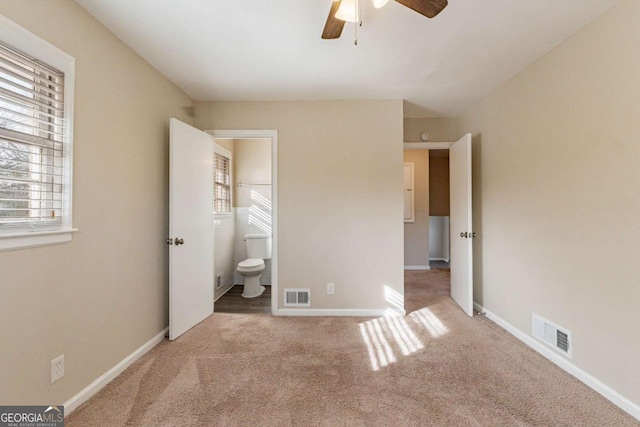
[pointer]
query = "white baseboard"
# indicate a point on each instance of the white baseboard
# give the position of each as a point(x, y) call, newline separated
point(610, 394)
point(77, 400)
point(321, 312)
point(440, 259)
point(223, 290)
point(417, 267)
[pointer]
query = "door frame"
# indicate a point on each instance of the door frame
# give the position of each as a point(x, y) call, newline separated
point(273, 135)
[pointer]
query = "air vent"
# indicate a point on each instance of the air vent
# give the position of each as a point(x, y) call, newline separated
point(297, 297)
point(552, 335)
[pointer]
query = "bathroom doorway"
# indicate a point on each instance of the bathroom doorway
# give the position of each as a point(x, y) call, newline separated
point(245, 215)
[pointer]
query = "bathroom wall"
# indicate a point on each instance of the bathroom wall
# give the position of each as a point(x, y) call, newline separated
point(416, 234)
point(224, 252)
point(252, 188)
point(224, 239)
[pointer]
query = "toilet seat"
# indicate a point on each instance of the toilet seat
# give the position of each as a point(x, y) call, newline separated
point(250, 265)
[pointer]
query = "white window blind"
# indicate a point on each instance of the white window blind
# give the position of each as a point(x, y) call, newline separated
point(32, 142)
point(221, 184)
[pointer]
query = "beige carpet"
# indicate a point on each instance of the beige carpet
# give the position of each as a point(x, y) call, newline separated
point(434, 367)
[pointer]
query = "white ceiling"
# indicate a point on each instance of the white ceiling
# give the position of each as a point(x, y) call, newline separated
point(228, 50)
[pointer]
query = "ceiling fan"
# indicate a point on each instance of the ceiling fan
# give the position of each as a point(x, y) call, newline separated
point(347, 10)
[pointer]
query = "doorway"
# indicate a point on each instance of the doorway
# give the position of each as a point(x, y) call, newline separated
point(439, 209)
point(251, 211)
point(460, 226)
point(426, 206)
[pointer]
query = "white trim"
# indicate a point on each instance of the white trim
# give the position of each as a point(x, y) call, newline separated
point(219, 149)
point(417, 267)
point(427, 145)
point(340, 312)
point(273, 135)
point(225, 289)
point(439, 259)
point(607, 392)
point(77, 400)
point(34, 239)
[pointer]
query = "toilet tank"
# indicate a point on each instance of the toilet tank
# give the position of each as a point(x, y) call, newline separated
point(258, 246)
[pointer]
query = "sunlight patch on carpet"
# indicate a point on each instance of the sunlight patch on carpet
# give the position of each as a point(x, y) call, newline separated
point(377, 335)
point(425, 318)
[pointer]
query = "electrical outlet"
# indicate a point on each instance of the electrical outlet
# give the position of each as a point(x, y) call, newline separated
point(57, 368)
point(330, 288)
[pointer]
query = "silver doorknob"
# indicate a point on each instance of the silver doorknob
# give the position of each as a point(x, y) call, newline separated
point(463, 235)
point(179, 241)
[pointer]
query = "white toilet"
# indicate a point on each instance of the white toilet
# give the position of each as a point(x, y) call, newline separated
point(258, 249)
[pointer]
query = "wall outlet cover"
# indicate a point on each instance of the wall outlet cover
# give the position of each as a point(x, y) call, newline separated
point(330, 288)
point(57, 368)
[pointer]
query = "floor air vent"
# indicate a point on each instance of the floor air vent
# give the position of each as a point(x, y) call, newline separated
point(297, 297)
point(552, 335)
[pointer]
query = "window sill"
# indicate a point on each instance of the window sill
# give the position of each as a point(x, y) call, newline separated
point(33, 239)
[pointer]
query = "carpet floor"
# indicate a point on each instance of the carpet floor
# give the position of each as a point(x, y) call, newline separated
point(436, 366)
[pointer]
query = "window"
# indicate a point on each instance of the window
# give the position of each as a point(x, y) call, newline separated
point(221, 184)
point(36, 96)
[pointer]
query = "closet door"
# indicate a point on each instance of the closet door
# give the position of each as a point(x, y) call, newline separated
point(190, 227)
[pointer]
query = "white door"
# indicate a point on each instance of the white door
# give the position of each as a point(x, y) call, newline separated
point(190, 227)
point(461, 231)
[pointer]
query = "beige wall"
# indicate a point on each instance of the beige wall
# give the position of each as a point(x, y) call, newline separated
point(339, 193)
point(439, 130)
point(416, 234)
point(225, 143)
point(252, 165)
point(556, 195)
point(103, 295)
point(438, 185)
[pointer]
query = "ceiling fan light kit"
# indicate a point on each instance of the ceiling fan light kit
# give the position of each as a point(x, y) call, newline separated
point(349, 11)
point(379, 3)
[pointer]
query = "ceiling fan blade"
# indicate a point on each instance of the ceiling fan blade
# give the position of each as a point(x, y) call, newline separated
point(428, 8)
point(333, 27)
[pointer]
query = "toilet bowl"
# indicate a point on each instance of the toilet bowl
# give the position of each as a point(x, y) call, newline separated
point(251, 269)
point(258, 248)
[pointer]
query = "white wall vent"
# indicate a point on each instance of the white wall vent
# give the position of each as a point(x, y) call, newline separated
point(219, 280)
point(553, 335)
point(297, 297)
